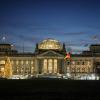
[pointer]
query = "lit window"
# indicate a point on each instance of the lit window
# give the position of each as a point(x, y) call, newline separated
point(32, 69)
point(2, 69)
point(86, 69)
point(21, 70)
point(17, 62)
point(26, 62)
point(32, 62)
point(12, 62)
point(88, 63)
point(22, 62)
point(72, 69)
point(78, 69)
point(17, 70)
point(83, 69)
point(2, 62)
point(73, 62)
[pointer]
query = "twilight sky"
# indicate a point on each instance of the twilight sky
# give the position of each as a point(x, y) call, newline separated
point(75, 22)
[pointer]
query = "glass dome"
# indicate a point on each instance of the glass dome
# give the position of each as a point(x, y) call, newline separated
point(50, 44)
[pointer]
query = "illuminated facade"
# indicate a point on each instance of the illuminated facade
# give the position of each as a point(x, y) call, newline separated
point(48, 59)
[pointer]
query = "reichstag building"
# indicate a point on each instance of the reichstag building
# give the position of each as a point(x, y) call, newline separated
point(48, 59)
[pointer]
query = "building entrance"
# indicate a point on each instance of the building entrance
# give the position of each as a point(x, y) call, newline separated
point(50, 66)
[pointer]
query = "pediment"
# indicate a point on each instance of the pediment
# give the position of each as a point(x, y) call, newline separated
point(51, 53)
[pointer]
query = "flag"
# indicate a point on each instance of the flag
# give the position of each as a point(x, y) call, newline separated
point(67, 56)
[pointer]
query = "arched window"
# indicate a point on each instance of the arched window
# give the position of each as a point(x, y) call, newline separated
point(88, 63)
point(32, 62)
point(22, 62)
point(26, 61)
point(17, 62)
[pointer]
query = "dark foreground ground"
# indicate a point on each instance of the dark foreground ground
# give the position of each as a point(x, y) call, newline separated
point(48, 89)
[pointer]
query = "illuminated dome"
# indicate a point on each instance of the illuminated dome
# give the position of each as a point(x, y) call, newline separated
point(50, 44)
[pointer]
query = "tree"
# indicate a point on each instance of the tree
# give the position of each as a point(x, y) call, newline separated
point(7, 68)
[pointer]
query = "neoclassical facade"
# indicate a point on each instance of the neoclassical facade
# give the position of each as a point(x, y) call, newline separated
point(48, 59)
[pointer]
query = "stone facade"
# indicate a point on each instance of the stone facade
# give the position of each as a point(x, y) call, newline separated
point(50, 61)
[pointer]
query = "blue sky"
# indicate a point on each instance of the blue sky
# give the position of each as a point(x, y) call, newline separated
point(75, 22)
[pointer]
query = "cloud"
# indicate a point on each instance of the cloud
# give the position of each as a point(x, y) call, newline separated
point(94, 26)
point(64, 34)
point(74, 33)
point(22, 37)
point(77, 51)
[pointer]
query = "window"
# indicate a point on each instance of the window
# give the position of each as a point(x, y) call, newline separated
point(17, 62)
point(26, 71)
point(22, 62)
point(78, 69)
point(88, 63)
point(86, 69)
point(73, 70)
point(89, 69)
point(27, 62)
point(15, 71)
point(22, 70)
point(12, 62)
point(83, 69)
point(27, 68)
point(83, 63)
point(32, 69)
point(78, 63)
point(2, 69)
point(19, 71)
point(32, 62)
point(68, 63)
point(73, 62)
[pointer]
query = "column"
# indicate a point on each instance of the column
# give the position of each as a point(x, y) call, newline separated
point(36, 66)
point(50, 65)
point(53, 66)
point(60, 66)
point(65, 69)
